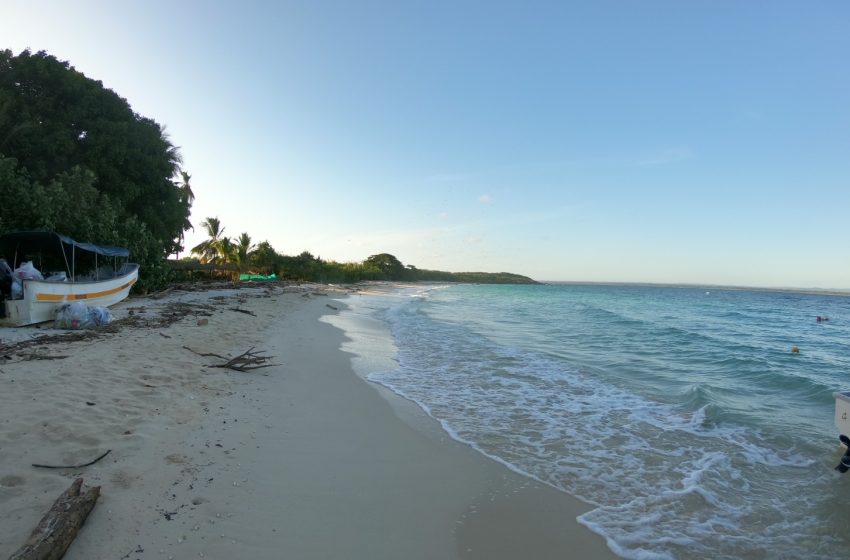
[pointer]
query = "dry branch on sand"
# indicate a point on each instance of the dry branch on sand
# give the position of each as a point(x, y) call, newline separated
point(59, 526)
point(246, 361)
point(73, 466)
point(245, 311)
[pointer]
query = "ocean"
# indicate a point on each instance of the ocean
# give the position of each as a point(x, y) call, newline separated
point(679, 413)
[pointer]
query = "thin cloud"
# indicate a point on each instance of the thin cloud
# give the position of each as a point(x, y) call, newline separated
point(485, 199)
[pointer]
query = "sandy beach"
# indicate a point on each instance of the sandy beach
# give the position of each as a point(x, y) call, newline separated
point(303, 459)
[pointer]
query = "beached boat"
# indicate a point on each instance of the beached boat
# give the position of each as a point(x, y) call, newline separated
point(65, 271)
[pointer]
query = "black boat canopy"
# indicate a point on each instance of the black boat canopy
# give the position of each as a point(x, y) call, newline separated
point(25, 242)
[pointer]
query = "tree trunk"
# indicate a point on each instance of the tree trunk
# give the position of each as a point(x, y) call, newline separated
point(59, 526)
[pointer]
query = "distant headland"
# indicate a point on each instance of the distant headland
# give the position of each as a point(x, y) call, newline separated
point(307, 267)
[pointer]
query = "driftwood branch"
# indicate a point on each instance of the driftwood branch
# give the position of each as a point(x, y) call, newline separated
point(245, 311)
point(57, 529)
point(246, 361)
point(206, 354)
point(73, 466)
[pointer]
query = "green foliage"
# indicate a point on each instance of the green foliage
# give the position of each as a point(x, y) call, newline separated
point(306, 267)
point(302, 267)
point(76, 159)
point(474, 277)
point(209, 250)
point(241, 251)
point(265, 259)
point(389, 266)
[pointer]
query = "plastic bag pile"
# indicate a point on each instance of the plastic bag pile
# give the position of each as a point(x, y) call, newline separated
point(78, 315)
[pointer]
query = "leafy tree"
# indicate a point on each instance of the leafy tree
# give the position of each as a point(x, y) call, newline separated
point(302, 267)
point(265, 258)
point(61, 130)
point(390, 267)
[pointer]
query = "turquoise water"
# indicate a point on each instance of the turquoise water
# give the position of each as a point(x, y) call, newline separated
point(680, 414)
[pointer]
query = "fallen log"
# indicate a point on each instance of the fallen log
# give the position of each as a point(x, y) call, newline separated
point(59, 526)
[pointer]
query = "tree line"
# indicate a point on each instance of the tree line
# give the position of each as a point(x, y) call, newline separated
point(264, 259)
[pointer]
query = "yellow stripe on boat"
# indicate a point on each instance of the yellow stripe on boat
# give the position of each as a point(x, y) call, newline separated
point(91, 295)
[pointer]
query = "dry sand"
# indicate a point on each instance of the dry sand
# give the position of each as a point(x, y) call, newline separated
point(301, 460)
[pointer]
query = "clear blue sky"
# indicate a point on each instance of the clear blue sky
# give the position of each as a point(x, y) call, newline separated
point(650, 141)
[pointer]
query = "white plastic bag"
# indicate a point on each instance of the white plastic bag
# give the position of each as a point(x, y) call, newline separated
point(24, 272)
point(17, 289)
point(27, 272)
point(101, 315)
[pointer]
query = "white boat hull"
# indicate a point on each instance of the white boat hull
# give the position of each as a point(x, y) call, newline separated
point(42, 298)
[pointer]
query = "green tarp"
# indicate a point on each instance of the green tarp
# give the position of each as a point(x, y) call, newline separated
point(258, 277)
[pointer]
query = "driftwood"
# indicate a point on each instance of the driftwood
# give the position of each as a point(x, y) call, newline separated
point(245, 311)
point(59, 526)
point(73, 466)
point(246, 361)
point(332, 307)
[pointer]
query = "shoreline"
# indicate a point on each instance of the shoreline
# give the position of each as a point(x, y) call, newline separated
point(304, 459)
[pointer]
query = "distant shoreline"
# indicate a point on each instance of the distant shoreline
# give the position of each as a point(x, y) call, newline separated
point(808, 291)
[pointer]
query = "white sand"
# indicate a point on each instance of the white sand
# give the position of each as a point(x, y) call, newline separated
point(300, 460)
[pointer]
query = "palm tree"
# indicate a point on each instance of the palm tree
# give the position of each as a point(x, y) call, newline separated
point(226, 251)
point(208, 250)
point(243, 248)
point(175, 159)
point(186, 198)
point(185, 188)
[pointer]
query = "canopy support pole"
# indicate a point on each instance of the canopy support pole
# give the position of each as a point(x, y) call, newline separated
point(65, 257)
